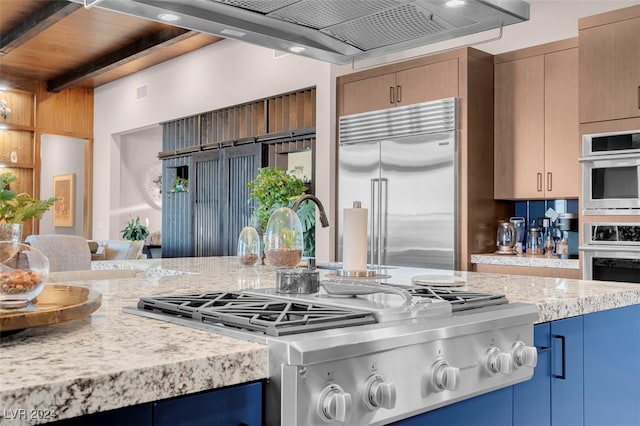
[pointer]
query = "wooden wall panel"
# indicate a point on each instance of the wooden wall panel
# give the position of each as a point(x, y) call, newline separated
point(68, 113)
point(22, 107)
point(20, 142)
point(292, 111)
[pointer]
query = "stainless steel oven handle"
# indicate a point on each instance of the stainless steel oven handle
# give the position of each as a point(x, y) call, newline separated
point(618, 248)
point(602, 157)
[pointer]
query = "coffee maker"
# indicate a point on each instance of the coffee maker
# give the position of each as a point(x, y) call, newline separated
point(568, 226)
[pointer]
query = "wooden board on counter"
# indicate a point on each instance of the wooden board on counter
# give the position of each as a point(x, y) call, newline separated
point(57, 303)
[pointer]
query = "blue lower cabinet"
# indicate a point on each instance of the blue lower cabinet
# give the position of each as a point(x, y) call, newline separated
point(136, 415)
point(532, 399)
point(232, 406)
point(490, 409)
point(238, 405)
point(612, 367)
point(567, 365)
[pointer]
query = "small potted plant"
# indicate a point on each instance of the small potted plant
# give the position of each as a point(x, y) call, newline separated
point(180, 185)
point(135, 231)
point(16, 208)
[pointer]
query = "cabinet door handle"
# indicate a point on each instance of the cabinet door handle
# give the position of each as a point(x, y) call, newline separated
point(539, 182)
point(638, 97)
point(391, 95)
point(549, 181)
point(399, 94)
point(563, 375)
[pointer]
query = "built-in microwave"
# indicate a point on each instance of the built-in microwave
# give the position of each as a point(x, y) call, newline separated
point(611, 173)
point(611, 252)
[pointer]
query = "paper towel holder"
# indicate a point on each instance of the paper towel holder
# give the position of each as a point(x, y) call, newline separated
point(356, 273)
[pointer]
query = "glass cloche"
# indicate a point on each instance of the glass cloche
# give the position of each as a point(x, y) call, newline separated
point(248, 246)
point(283, 239)
point(23, 273)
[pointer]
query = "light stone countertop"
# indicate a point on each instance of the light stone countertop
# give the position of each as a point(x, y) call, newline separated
point(113, 359)
point(524, 260)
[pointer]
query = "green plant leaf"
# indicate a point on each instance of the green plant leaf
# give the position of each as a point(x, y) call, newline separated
point(135, 231)
point(18, 207)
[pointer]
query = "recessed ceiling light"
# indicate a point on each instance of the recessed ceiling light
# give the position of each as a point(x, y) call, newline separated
point(297, 49)
point(168, 17)
point(455, 3)
point(233, 33)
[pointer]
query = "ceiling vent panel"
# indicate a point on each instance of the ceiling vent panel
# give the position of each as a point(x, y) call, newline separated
point(396, 25)
point(320, 14)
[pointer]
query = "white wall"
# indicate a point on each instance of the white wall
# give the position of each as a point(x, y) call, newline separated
point(140, 179)
point(62, 155)
point(223, 74)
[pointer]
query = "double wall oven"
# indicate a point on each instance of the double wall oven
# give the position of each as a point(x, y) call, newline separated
point(611, 173)
point(611, 206)
point(611, 252)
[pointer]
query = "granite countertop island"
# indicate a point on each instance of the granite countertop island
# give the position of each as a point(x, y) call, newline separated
point(113, 359)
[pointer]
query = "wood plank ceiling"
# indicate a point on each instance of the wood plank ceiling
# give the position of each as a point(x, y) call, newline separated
point(67, 45)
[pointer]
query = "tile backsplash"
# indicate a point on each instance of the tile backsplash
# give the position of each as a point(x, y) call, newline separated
point(534, 209)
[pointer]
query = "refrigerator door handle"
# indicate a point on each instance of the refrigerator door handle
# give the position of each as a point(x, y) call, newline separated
point(372, 229)
point(384, 208)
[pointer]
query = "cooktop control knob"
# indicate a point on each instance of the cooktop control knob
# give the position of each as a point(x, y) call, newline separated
point(498, 361)
point(524, 355)
point(378, 394)
point(334, 404)
point(444, 376)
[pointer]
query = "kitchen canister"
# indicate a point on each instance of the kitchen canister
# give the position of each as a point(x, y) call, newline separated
point(297, 281)
point(535, 244)
point(248, 246)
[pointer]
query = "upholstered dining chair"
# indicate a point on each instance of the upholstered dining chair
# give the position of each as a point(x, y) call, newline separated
point(65, 252)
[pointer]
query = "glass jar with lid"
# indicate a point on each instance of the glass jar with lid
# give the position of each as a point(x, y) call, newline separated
point(248, 246)
point(535, 243)
point(283, 239)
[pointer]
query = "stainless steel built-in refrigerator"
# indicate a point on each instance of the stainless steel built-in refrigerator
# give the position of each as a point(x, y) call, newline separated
point(401, 164)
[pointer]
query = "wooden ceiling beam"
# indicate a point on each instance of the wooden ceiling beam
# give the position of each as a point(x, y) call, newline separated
point(145, 46)
point(47, 15)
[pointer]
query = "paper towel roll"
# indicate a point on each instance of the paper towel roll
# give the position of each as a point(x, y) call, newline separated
point(354, 240)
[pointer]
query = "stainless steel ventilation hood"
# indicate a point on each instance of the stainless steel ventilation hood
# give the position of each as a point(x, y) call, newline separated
point(338, 31)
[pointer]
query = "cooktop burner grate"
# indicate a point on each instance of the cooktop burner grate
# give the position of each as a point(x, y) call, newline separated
point(270, 316)
point(460, 300)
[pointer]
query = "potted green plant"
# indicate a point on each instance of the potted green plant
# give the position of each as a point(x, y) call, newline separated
point(135, 231)
point(180, 185)
point(16, 208)
point(273, 188)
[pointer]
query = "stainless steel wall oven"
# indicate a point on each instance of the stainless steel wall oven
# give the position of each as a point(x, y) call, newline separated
point(611, 173)
point(611, 252)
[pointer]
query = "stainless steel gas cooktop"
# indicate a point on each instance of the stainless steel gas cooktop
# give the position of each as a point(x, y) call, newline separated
point(370, 358)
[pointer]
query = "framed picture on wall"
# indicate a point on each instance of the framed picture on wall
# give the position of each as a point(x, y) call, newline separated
point(64, 189)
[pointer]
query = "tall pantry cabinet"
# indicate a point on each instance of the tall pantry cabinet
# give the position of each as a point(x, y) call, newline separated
point(537, 142)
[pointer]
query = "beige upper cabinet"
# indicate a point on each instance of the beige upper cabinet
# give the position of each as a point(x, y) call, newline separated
point(427, 83)
point(610, 66)
point(536, 136)
point(368, 94)
point(561, 127)
point(419, 84)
